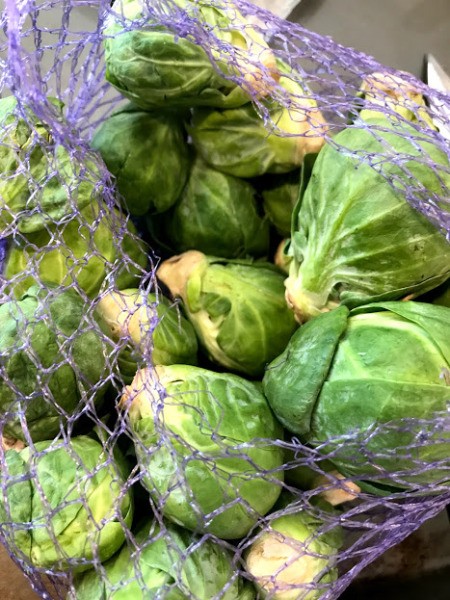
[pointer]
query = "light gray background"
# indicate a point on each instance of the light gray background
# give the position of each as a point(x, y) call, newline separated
point(396, 32)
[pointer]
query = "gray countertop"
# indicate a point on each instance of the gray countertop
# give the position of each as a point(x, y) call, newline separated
point(395, 32)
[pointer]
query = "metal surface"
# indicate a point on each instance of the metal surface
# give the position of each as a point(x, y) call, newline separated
point(438, 79)
point(281, 8)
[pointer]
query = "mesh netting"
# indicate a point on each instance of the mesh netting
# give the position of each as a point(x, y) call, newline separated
point(141, 456)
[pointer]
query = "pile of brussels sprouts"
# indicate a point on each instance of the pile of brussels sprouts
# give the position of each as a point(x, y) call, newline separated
point(231, 354)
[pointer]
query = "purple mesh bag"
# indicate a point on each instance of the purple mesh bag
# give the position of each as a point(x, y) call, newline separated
point(103, 472)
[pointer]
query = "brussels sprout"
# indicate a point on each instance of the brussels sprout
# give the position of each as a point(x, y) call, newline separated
point(236, 141)
point(169, 563)
point(237, 308)
point(62, 505)
point(85, 250)
point(443, 298)
point(280, 194)
point(157, 68)
point(148, 321)
point(281, 259)
point(348, 373)
point(53, 358)
point(9, 443)
point(216, 214)
point(204, 449)
point(393, 93)
point(41, 182)
point(440, 295)
point(347, 245)
point(335, 487)
point(148, 156)
point(294, 558)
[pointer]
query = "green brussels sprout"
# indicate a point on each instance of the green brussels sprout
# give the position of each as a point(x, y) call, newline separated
point(443, 295)
point(156, 68)
point(394, 93)
point(280, 194)
point(236, 141)
point(10, 443)
point(169, 563)
point(237, 308)
point(440, 295)
point(356, 238)
point(294, 557)
point(281, 259)
point(148, 321)
point(41, 181)
point(349, 373)
point(148, 156)
point(63, 503)
point(53, 358)
point(216, 214)
point(83, 251)
point(205, 452)
point(335, 487)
